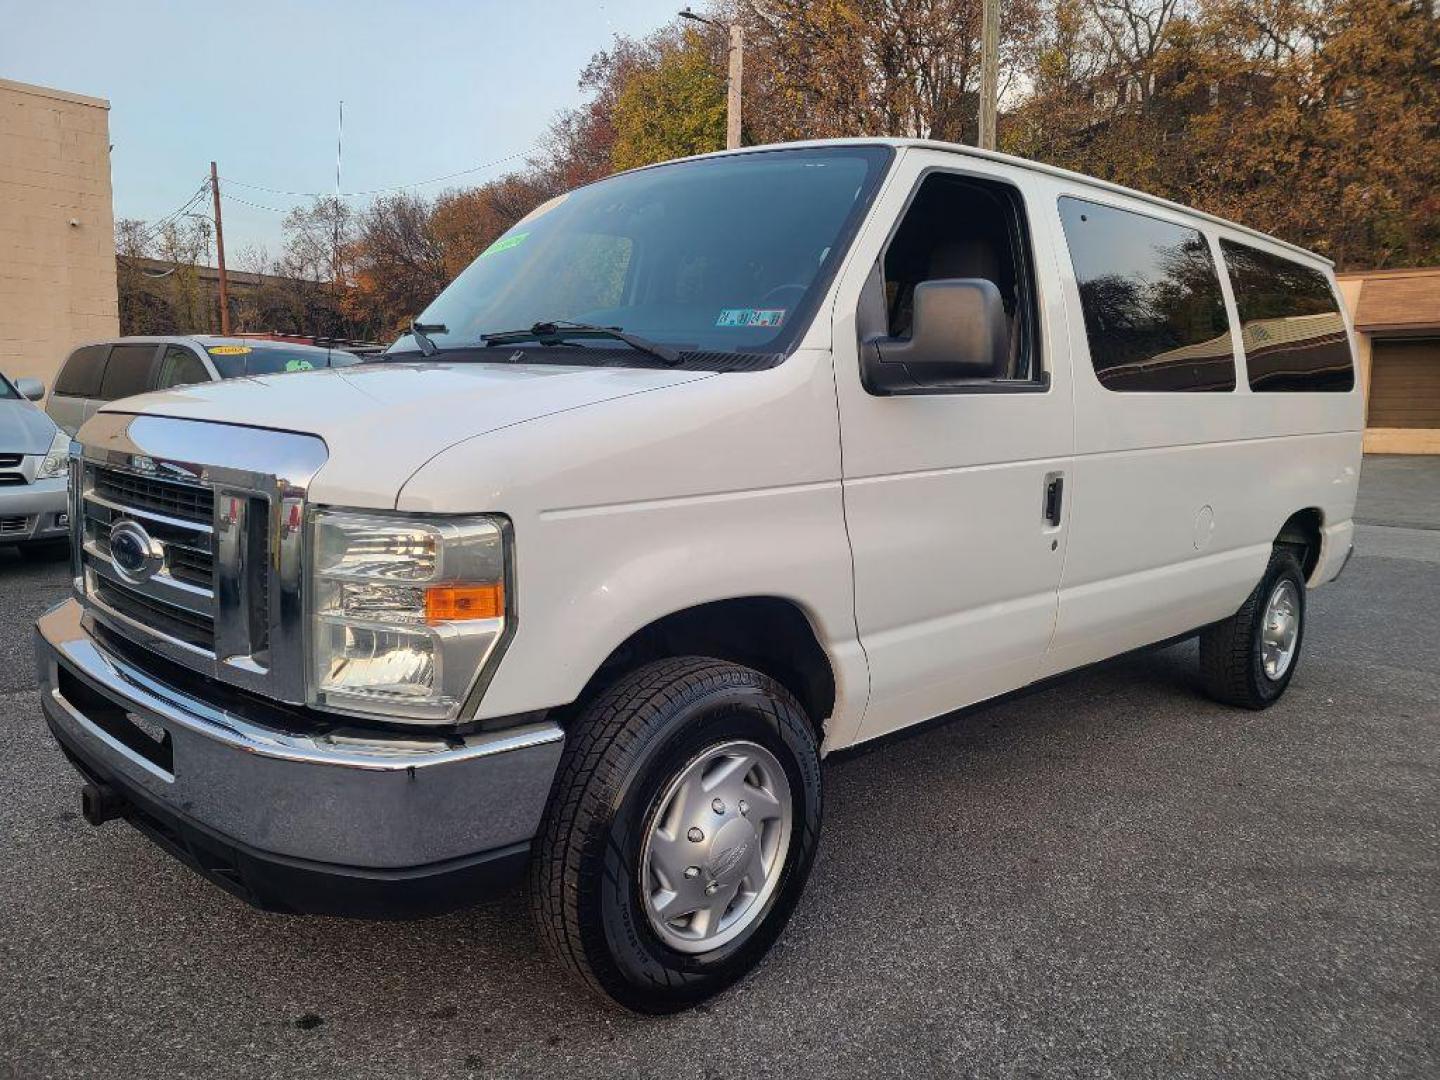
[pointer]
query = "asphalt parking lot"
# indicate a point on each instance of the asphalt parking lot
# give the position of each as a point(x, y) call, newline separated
point(1108, 877)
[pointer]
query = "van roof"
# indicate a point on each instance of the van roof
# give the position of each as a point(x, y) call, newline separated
point(1033, 166)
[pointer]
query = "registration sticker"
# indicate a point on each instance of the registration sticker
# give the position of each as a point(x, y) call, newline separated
point(751, 317)
point(228, 350)
point(299, 365)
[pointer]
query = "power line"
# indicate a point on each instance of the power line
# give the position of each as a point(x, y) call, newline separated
point(255, 205)
point(152, 231)
point(387, 190)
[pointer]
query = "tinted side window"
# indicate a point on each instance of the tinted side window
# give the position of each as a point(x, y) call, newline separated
point(179, 367)
point(128, 372)
point(80, 377)
point(1290, 323)
point(1154, 315)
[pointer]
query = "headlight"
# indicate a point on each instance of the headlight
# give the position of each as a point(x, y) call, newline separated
point(405, 612)
point(57, 458)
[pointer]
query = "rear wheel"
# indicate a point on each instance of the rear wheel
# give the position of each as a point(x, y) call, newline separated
point(1249, 659)
point(680, 832)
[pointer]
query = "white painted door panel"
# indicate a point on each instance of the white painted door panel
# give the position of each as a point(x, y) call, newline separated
point(1177, 497)
point(956, 569)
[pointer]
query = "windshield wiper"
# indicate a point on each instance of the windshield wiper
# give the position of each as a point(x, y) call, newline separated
point(420, 332)
point(557, 333)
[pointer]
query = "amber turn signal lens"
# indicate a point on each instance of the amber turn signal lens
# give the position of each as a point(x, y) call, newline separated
point(456, 603)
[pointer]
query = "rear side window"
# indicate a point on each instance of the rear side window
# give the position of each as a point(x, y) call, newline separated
point(180, 367)
point(128, 372)
point(80, 377)
point(236, 361)
point(1154, 315)
point(1290, 323)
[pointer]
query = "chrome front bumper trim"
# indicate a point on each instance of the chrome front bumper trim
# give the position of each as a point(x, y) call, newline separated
point(347, 797)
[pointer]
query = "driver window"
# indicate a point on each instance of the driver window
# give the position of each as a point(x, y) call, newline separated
point(963, 227)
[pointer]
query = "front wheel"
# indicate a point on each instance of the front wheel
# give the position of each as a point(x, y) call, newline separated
point(1249, 658)
point(680, 832)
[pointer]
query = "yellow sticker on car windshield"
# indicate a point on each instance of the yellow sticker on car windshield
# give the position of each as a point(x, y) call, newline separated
point(228, 350)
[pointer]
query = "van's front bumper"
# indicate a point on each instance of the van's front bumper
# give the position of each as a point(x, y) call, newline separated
point(345, 822)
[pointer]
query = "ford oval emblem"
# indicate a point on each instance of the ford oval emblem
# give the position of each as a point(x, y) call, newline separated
point(134, 553)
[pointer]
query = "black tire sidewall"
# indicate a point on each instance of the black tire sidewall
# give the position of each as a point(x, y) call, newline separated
point(637, 968)
point(1283, 567)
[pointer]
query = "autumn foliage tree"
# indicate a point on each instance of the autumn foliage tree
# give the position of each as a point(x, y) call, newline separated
point(1316, 120)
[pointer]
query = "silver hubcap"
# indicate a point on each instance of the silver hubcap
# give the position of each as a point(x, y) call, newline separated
point(1281, 630)
point(715, 846)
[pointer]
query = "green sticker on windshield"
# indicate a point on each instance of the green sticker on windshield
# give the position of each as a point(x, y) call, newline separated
point(751, 317)
point(505, 243)
point(299, 365)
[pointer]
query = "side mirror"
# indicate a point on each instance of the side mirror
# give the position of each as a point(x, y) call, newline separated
point(959, 334)
point(30, 389)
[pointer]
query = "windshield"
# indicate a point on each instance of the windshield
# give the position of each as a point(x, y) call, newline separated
point(6, 390)
point(723, 254)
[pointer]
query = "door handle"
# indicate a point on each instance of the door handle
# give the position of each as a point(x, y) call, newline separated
point(1054, 497)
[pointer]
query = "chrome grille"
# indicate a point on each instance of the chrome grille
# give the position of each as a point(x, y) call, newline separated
point(15, 472)
point(177, 599)
point(212, 520)
point(186, 626)
point(186, 501)
point(190, 565)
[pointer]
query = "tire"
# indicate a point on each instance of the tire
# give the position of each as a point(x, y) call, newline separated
point(624, 757)
point(1232, 657)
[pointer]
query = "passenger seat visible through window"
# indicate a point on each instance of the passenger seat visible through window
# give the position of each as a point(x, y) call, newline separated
point(959, 227)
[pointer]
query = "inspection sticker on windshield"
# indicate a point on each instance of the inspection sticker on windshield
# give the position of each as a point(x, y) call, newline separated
point(505, 243)
point(751, 317)
point(299, 365)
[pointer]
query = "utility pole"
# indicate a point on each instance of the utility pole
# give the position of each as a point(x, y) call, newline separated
point(736, 76)
point(989, 73)
point(220, 253)
point(732, 95)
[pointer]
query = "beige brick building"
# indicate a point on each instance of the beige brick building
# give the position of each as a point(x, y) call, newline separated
point(57, 227)
point(1397, 336)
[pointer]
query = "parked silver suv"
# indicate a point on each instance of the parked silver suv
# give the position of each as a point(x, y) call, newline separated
point(33, 464)
point(110, 370)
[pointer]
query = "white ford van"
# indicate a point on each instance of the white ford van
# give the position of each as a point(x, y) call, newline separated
point(695, 475)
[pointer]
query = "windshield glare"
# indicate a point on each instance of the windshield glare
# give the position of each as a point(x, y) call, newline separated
point(717, 255)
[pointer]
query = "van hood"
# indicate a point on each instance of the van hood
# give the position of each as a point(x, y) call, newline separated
point(382, 421)
point(24, 429)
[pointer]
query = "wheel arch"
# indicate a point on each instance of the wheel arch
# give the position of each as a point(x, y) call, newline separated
point(772, 634)
point(1304, 531)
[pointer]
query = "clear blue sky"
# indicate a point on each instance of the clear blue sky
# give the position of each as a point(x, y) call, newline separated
point(430, 87)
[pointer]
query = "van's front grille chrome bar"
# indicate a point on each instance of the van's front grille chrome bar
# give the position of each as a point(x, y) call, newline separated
point(199, 561)
point(187, 501)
